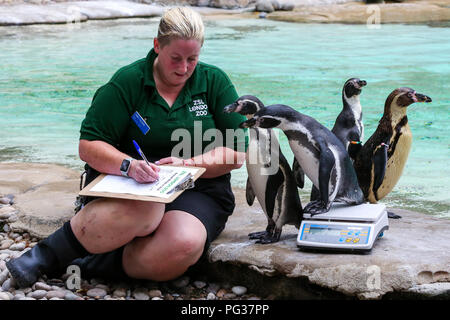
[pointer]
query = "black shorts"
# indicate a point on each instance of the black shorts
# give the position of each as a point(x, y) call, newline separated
point(211, 201)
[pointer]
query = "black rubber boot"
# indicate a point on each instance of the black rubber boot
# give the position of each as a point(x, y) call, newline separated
point(106, 265)
point(50, 256)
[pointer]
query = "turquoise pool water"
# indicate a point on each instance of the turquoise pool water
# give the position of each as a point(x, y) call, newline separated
point(49, 73)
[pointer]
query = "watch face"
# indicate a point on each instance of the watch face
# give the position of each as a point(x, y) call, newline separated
point(124, 166)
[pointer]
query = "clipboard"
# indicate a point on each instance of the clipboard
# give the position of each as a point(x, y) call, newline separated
point(86, 191)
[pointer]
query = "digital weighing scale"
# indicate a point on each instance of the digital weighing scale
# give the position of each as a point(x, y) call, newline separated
point(344, 228)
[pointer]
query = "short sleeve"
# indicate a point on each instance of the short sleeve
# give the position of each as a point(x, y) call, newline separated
point(108, 117)
point(228, 123)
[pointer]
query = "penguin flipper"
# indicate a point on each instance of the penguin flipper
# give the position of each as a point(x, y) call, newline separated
point(354, 148)
point(299, 174)
point(249, 193)
point(380, 158)
point(326, 165)
point(355, 144)
point(392, 215)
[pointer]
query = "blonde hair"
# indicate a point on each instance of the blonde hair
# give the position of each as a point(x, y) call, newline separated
point(180, 23)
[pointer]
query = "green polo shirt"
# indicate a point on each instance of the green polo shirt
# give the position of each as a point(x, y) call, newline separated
point(190, 123)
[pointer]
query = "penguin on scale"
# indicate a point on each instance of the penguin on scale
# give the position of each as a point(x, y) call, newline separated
point(349, 126)
point(320, 154)
point(270, 179)
point(382, 158)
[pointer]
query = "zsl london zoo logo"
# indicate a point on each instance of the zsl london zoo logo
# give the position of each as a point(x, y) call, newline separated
point(200, 108)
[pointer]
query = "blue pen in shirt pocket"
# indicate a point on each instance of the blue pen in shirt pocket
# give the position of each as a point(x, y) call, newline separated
point(140, 122)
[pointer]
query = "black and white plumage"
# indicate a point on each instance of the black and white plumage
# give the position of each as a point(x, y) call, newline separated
point(349, 127)
point(270, 179)
point(320, 154)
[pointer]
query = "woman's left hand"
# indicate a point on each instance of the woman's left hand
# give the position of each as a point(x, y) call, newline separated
point(175, 161)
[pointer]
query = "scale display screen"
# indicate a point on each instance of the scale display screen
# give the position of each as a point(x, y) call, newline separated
point(335, 234)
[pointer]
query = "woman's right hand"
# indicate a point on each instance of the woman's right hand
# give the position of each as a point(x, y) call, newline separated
point(142, 172)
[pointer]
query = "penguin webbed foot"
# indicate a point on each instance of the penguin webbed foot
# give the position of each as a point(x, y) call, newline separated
point(316, 207)
point(264, 237)
point(257, 235)
point(392, 215)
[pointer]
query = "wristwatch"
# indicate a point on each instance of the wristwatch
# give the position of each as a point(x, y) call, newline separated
point(125, 166)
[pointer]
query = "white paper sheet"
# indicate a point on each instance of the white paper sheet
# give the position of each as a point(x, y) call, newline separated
point(169, 177)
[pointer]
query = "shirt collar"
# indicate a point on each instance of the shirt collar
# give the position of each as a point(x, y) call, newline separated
point(196, 84)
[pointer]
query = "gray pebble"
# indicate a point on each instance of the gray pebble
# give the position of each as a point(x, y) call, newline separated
point(71, 296)
point(4, 296)
point(7, 285)
point(96, 293)
point(213, 287)
point(6, 228)
point(181, 282)
point(27, 298)
point(141, 294)
point(14, 235)
point(155, 293)
point(157, 298)
point(4, 200)
point(120, 293)
point(5, 244)
point(41, 286)
point(102, 286)
point(18, 246)
point(20, 292)
point(211, 296)
point(6, 211)
point(199, 284)
point(60, 294)
point(229, 296)
point(3, 276)
point(239, 290)
point(38, 294)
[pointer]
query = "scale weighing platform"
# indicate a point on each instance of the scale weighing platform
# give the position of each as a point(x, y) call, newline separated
point(344, 228)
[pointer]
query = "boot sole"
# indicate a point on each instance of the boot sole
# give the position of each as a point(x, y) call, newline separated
point(21, 278)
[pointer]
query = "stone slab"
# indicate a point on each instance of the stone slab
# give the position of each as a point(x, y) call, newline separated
point(360, 13)
point(414, 251)
point(412, 258)
point(44, 195)
point(74, 11)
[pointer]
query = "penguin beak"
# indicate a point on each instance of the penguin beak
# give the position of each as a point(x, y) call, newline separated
point(362, 83)
point(422, 98)
point(230, 108)
point(248, 124)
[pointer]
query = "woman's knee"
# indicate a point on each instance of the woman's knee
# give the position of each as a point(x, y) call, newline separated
point(188, 246)
point(169, 252)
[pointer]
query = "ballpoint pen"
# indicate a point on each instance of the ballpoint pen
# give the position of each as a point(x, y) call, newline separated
point(138, 149)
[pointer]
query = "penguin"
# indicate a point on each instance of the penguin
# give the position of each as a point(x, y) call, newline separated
point(272, 183)
point(382, 158)
point(349, 126)
point(321, 155)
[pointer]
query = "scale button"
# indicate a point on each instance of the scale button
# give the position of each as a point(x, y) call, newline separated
point(341, 239)
point(356, 240)
point(348, 239)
